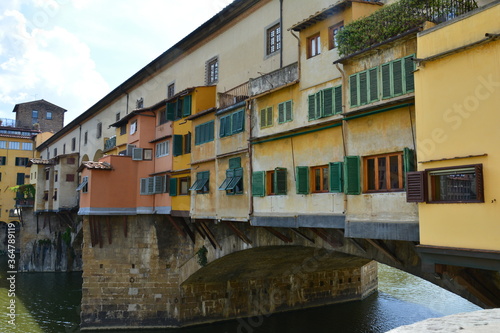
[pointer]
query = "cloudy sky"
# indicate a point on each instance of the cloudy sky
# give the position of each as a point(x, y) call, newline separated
point(73, 52)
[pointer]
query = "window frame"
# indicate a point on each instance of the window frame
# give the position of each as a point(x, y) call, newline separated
point(48, 115)
point(212, 70)
point(332, 33)
point(387, 175)
point(324, 177)
point(285, 112)
point(202, 183)
point(479, 183)
point(227, 122)
point(204, 133)
point(266, 117)
point(273, 39)
point(313, 45)
point(162, 148)
point(21, 161)
point(325, 103)
point(171, 90)
point(133, 127)
point(181, 181)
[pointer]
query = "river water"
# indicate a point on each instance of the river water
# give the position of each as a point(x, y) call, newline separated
point(49, 302)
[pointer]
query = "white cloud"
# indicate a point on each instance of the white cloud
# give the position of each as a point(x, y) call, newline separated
point(52, 64)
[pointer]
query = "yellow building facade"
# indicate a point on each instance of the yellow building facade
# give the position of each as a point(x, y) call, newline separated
point(457, 97)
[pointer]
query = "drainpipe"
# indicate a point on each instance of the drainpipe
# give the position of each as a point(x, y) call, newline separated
point(298, 47)
point(281, 30)
point(344, 121)
point(250, 160)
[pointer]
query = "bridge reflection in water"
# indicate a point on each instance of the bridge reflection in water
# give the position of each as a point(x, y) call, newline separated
point(50, 303)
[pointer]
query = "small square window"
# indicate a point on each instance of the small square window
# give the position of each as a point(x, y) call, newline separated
point(49, 115)
point(184, 184)
point(133, 127)
point(319, 179)
point(171, 90)
point(332, 35)
point(212, 71)
point(273, 35)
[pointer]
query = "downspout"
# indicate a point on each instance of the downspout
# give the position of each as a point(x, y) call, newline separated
point(344, 121)
point(250, 159)
point(298, 47)
point(281, 30)
point(126, 111)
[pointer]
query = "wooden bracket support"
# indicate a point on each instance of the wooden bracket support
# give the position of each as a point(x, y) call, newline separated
point(382, 248)
point(278, 234)
point(324, 235)
point(238, 232)
point(303, 235)
point(210, 235)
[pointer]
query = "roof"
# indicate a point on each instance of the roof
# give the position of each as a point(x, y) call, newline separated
point(327, 12)
point(41, 161)
point(193, 40)
point(95, 165)
point(16, 107)
point(201, 113)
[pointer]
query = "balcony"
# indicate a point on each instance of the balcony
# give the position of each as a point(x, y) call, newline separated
point(275, 79)
point(110, 143)
point(398, 18)
point(25, 202)
point(233, 96)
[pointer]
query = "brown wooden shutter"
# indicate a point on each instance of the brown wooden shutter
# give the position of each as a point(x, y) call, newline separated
point(416, 186)
point(479, 181)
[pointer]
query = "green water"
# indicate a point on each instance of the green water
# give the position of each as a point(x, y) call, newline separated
point(49, 302)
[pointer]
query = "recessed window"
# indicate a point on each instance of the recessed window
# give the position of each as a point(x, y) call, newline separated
point(20, 161)
point(123, 130)
point(266, 117)
point(27, 146)
point(319, 179)
point(171, 90)
point(273, 39)
point(85, 137)
point(99, 130)
point(73, 144)
point(184, 184)
point(34, 114)
point(162, 148)
point(133, 127)
point(313, 46)
point(49, 115)
point(332, 34)
point(202, 183)
point(84, 186)
point(233, 184)
point(384, 173)
point(212, 71)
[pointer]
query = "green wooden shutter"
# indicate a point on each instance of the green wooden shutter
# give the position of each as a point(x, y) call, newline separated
point(177, 145)
point(269, 116)
point(373, 84)
point(328, 102)
point(234, 162)
point(363, 88)
point(173, 187)
point(288, 110)
point(263, 115)
point(302, 181)
point(319, 105)
point(259, 183)
point(312, 107)
point(170, 111)
point(338, 100)
point(225, 126)
point(210, 131)
point(397, 77)
point(409, 67)
point(198, 133)
point(408, 160)
point(186, 106)
point(353, 89)
point(281, 113)
point(352, 176)
point(336, 171)
point(386, 81)
point(280, 181)
point(20, 179)
point(237, 122)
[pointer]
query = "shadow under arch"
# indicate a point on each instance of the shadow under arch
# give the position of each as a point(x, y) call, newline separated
point(85, 158)
point(98, 155)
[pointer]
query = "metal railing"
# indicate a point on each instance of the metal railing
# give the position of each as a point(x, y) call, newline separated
point(233, 96)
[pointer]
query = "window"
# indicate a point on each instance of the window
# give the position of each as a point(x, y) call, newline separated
point(85, 137)
point(162, 148)
point(162, 117)
point(386, 81)
point(232, 123)
point(84, 186)
point(319, 179)
point(70, 160)
point(171, 90)
point(139, 104)
point(325, 103)
point(14, 145)
point(184, 184)
point(276, 181)
point(21, 161)
point(3, 160)
point(187, 143)
point(70, 177)
point(153, 185)
point(64, 148)
point(212, 71)
point(204, 133)
point(233, 184)
point(383, 172)
point(99, 130)
point(123, 130)
point(55, 195)
point(73, 144)
point(27, 145)
point(34, 115)
point(273, 35)
point(460, 184)
point(55, 152)
point(20, 178)
point(179, 108)
point(56, 176)
point(285, 112)
point(46, 195)
point(202, 183)
point(313, 46)
point(332, 34)
point(133, 127)
point(142, 154)
point(117, 116)
point(266, 117)
point(47, 174)
point(3, 144)
point(49, 115)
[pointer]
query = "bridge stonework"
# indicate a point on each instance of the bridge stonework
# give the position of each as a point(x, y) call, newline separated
point(160, 271)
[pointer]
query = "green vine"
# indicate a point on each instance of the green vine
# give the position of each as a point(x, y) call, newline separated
point(42, 242)
point(66, 236)
point(26, 191)
point(395, 19)
point(202, 256)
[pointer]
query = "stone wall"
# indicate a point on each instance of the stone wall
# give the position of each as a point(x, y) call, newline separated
point(24, 117)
